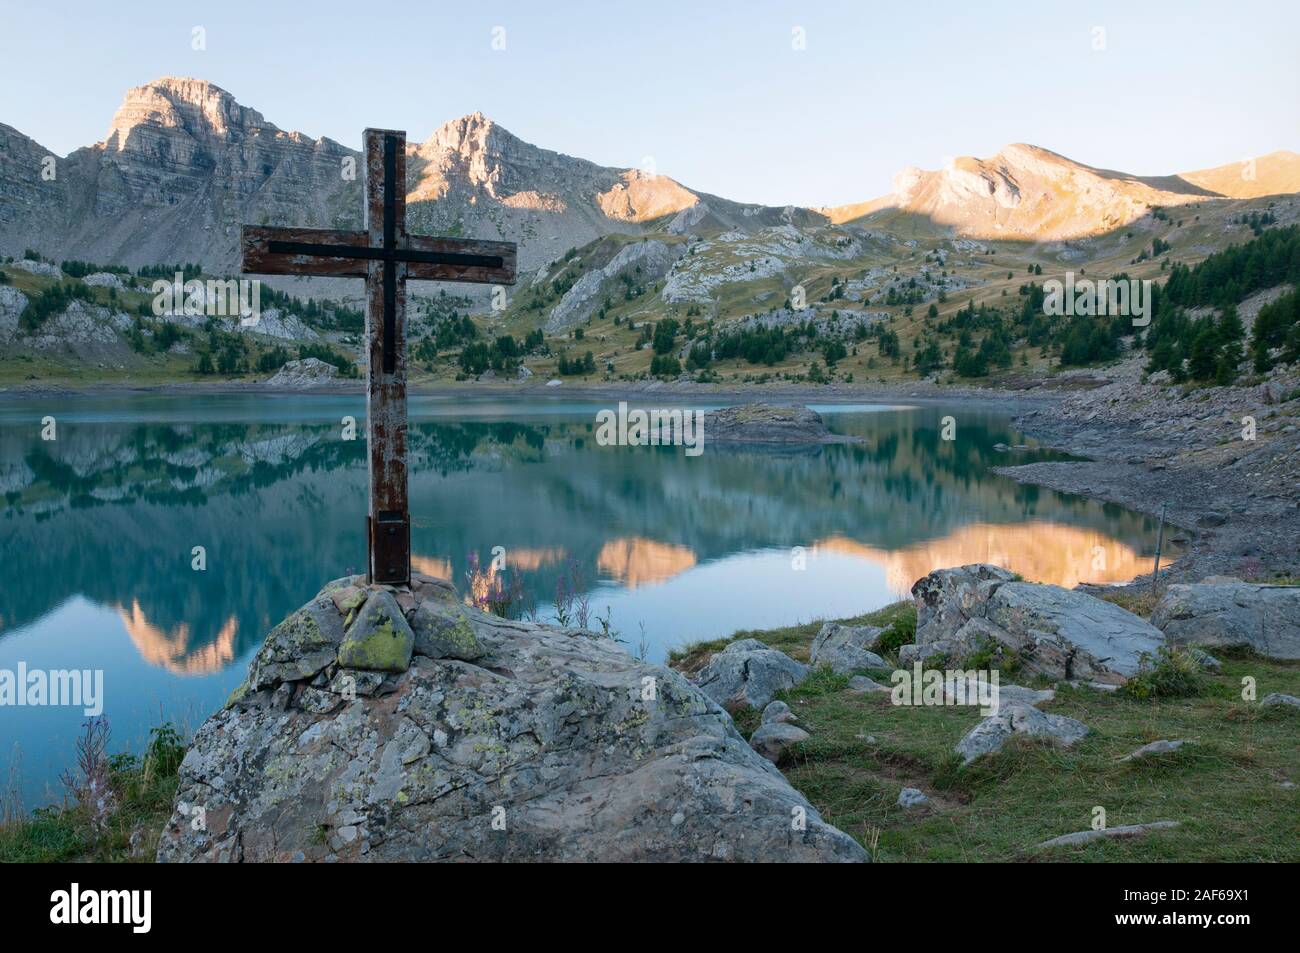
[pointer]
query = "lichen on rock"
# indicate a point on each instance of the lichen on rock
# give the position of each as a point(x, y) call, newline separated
point(497, 740)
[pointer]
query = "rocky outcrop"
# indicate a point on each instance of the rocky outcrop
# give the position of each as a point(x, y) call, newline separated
point(767, 424)
point(1055, 632)
point(747, 674)
point(992, 732)
point(105, 279)
point(42, 268)
point(12, 304)
point(645, 262)
point(307, 373)
point(1232, 615)
point(551, 745)
point(847, 648)
point(284, 325)
point(85, 329)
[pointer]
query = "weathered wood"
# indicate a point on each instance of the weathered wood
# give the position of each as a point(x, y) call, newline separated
point(389, 522)
point(260, 259)
point(386, 257)
point(426, 258)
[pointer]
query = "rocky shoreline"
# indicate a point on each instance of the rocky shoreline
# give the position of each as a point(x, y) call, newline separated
point(1224, 460)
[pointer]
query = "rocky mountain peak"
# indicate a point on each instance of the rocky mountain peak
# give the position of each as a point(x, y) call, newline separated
point(474, 138)
point(194, 107)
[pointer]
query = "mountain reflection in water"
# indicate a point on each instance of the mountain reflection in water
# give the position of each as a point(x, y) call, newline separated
point(99, 527)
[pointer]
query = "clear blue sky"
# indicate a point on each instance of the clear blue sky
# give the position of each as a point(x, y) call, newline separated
point(714, 92)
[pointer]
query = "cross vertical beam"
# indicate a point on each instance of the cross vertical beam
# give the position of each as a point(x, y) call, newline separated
point(386, 256)
point(388, 523)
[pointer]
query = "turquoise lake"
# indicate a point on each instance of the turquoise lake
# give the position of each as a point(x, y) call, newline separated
point(98, 527)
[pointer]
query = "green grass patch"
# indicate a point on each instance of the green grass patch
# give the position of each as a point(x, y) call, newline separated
point(1224, 787)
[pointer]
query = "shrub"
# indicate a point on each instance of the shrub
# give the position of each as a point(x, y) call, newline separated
point(901, 632)
point(1173, 673)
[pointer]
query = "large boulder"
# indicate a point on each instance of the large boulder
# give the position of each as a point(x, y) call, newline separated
point(748, 674)
point(1232, 615)
point(847, 648)
point(550, 744)
point(1055, 632)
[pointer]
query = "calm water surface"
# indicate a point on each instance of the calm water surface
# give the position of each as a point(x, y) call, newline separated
point(97, 529)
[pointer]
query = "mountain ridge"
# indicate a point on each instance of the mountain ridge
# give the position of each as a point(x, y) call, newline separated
point(184, 164)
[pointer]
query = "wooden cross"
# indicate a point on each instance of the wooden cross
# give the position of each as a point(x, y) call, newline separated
point(385, 255)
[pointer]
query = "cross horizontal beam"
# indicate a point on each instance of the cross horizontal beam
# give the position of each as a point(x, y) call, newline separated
point(341, 254)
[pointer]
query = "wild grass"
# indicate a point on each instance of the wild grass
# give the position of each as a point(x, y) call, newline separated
point(114, 808)
point(1224, 787)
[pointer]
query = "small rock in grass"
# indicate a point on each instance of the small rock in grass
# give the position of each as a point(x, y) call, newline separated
point(1084, 837)
point(1152, 749)
point(1277, 698)
point(861, 685)
point(772, 740)
point(778, 713)
point(1204, 659)
point(992, 732)
point(911, 798)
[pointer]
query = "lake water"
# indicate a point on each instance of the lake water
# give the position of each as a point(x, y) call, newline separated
point(99, 525)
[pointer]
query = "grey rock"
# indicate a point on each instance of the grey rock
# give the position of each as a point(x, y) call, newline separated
point(299, 647)
point(104, 279)
point(992, 732)
point(1058, 633)
point(1153, 749)
point(380, 640)
point(1277, 698)
point(861, 685)
point(847, 648)
point(947, 599)
point(443, 631)
point(547, 733)
point(42, 268)
point(1204, 659)
point(1106, 833)
point(774, 738)
point(777, 712)
point(1234, 615)
point(12, 304)
point(962, 688)
point(304, 374)
point(747, 674)
point(910, 798)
